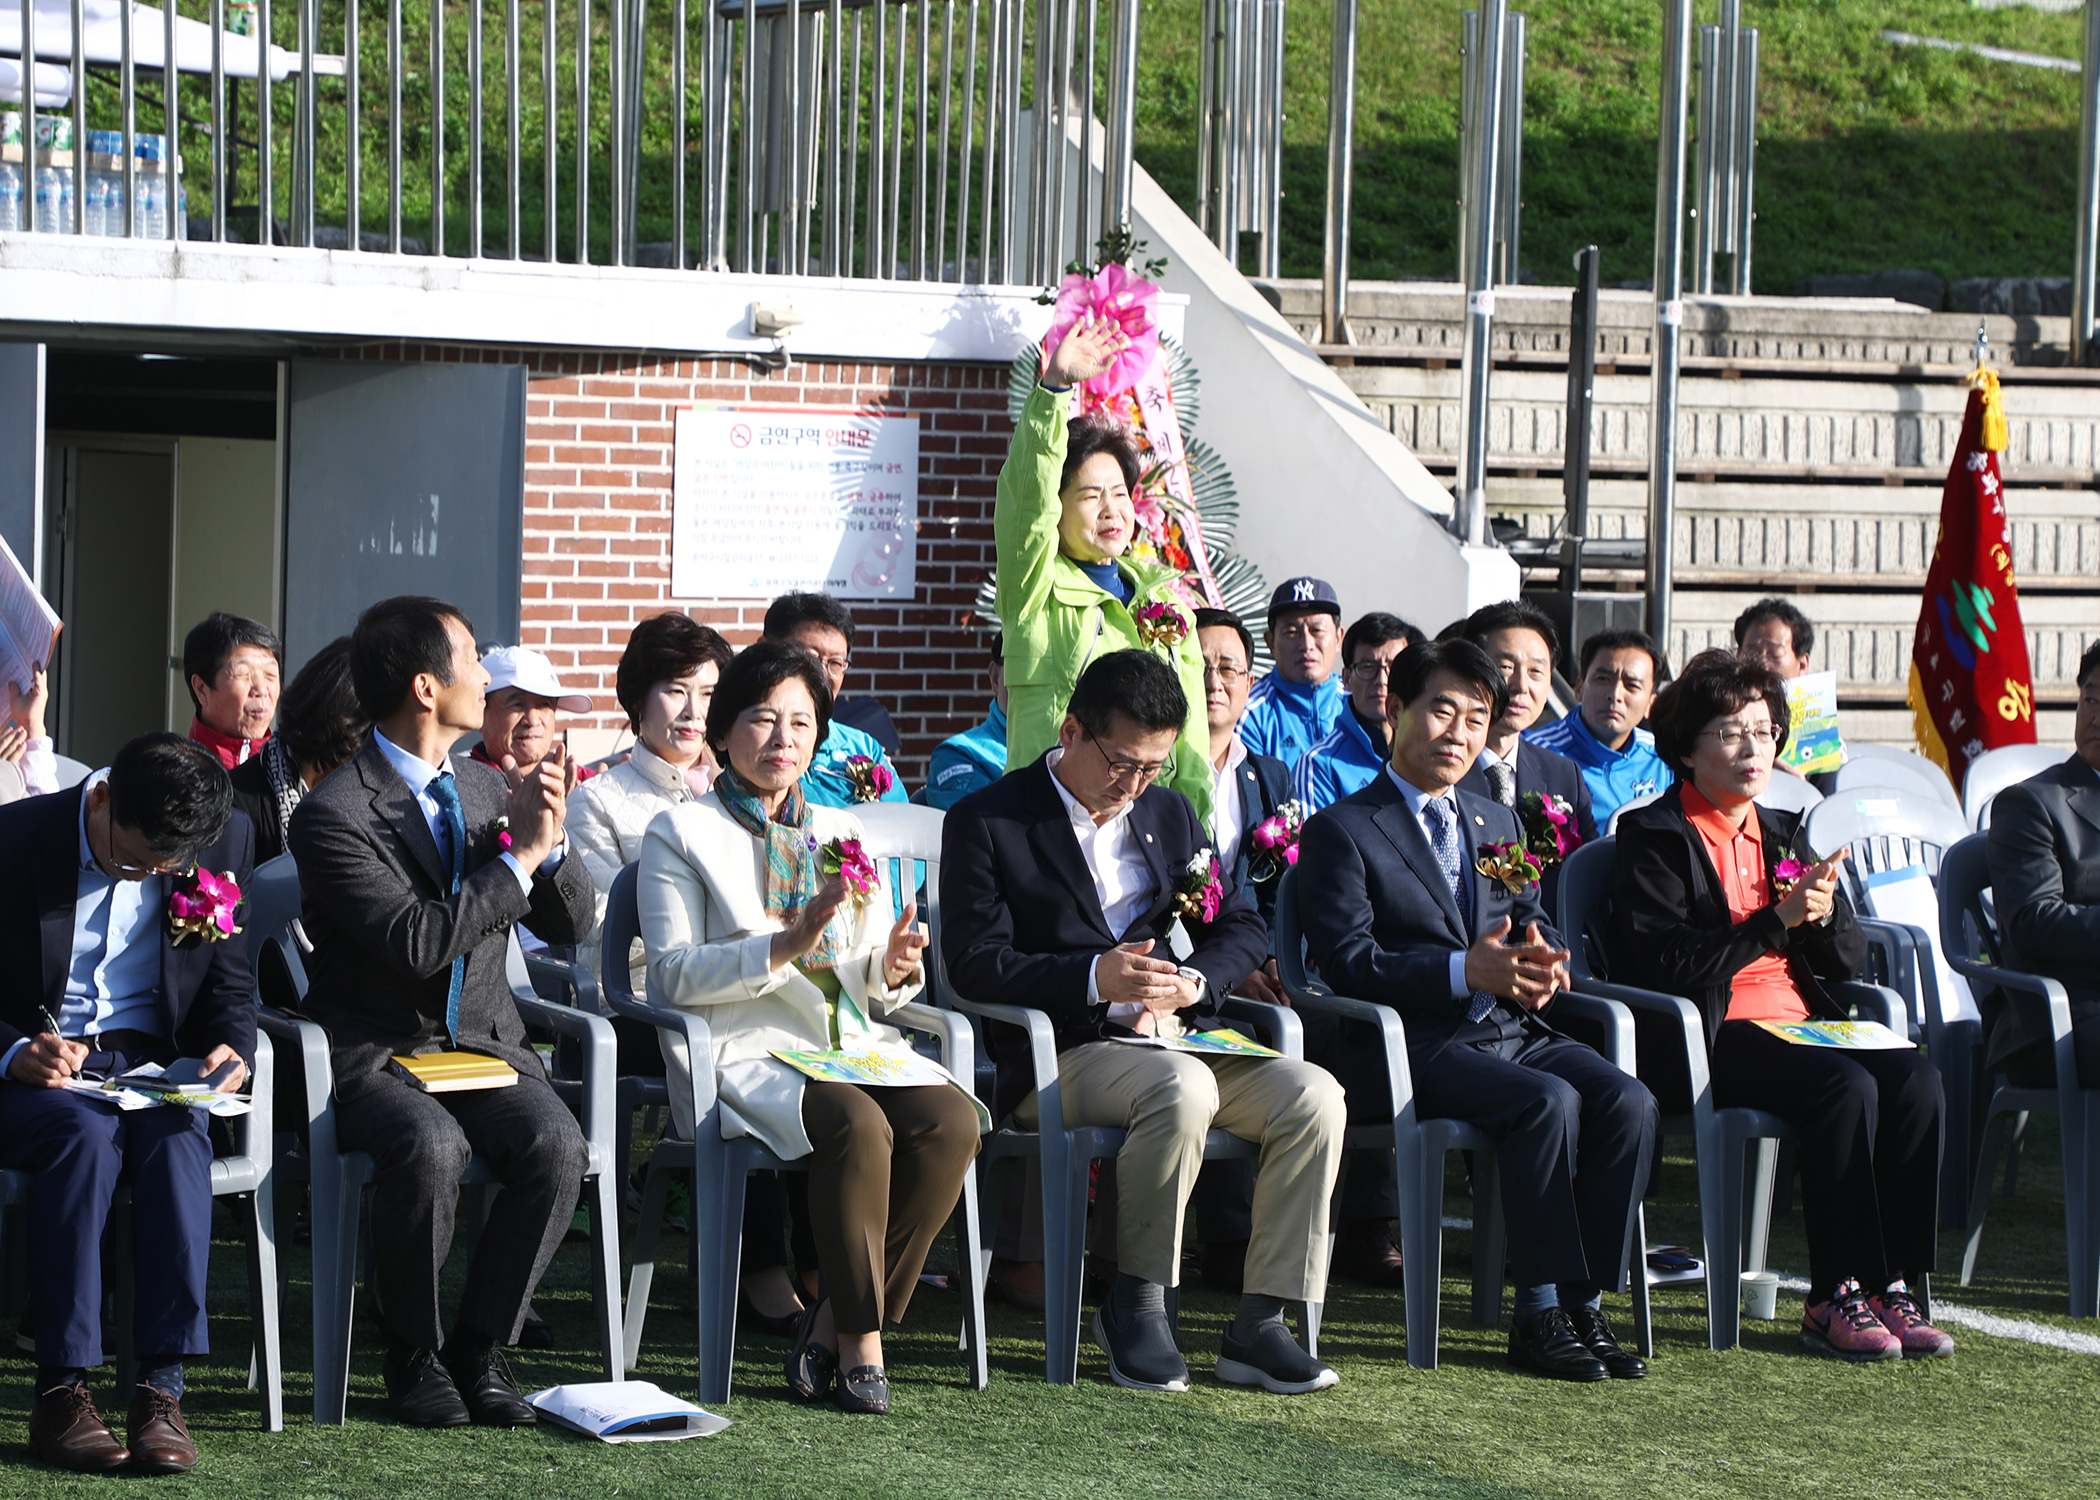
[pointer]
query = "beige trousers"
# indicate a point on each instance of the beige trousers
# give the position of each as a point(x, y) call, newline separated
point(1167, 1102)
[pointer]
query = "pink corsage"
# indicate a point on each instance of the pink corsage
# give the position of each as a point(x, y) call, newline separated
point(503, 832)
point(1160, 624)
point(202, 905)
point(1512, 864)
point(1786, 874)
point(846, 859)
point(1550, 831)
point(1200, 893)
point(871, 778)
point(1275, 840)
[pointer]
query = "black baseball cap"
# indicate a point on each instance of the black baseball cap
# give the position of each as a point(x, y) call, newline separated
point(1297, 596)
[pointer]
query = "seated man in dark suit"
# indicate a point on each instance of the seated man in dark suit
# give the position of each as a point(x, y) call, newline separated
point(1520, 639)
point(2045, 873)
point(411, 881)
point(96, 979)
point(1399, 908)
point(1058, 883)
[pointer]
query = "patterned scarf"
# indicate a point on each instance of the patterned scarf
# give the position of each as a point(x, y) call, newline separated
point(287, 786)
point(792, 874)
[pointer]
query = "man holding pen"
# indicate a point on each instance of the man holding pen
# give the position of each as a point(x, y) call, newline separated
point(96, 980)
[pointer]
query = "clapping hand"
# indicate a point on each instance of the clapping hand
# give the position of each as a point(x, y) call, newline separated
point(801, 935)
point(27, 708)
point(1815, 893)
point(907, 940)
point(539, 805)
point(1086, 351)
point(1528, 973)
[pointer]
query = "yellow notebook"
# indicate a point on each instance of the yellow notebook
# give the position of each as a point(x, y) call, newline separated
point(449, 1072)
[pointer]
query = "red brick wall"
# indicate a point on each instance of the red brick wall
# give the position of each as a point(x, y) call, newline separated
point(598, 517)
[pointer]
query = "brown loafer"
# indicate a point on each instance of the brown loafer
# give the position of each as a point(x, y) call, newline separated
point(66, 1431)
point(160, 1439)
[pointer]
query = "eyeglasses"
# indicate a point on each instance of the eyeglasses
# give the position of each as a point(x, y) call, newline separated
point(1128, 770)
point(1371, 671)
point(109, 826)
point(1731, 740)
point(1227, 673)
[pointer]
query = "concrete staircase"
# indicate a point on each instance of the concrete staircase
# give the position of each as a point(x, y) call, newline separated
point(1814, 438)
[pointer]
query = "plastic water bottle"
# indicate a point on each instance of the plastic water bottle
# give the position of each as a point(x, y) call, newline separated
point(10, 195)
point(54, 200)
point(151, 216)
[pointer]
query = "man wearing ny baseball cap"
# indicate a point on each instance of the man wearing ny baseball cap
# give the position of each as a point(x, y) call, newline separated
point(517, 717)
point(1296, 705)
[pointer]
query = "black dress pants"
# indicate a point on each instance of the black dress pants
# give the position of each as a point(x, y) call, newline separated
point(1869, 1129)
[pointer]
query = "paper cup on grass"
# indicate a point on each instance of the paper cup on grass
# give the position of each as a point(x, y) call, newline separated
point(1761, 1294)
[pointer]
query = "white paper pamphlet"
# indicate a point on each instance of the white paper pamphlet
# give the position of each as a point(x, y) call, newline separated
point(625, 1411)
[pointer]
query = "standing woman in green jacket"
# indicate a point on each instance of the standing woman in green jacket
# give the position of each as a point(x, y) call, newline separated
point(1068, 590)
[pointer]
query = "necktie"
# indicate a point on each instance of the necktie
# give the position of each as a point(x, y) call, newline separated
point(1444, 842)
point(1502, 781)
point(445, 793)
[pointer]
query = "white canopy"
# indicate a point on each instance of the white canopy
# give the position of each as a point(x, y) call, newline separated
point(102, 36)
point(54, 85)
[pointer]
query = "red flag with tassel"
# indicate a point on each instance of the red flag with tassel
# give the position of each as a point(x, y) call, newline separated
point(1971, 688)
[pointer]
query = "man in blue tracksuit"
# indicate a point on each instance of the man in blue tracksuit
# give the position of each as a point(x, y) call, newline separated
point(821, 627)
point(977, 757)
point(1621, 670)
point(1298, 702)
point(1352, 753)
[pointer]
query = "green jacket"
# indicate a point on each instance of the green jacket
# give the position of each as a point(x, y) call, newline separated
point(1056, 619)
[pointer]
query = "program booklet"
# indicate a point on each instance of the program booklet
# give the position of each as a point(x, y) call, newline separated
point(1858, 1036)
point(29, 626)
point(625, 1411)
point(869, 1069)
point(453, 1072)
point(1224, 1042)
point(1813, 744)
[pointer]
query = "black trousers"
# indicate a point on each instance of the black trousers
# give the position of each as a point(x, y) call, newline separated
point(421, 1144)
point(1870, 1127)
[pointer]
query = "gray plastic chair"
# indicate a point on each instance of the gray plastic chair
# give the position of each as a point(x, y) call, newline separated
point(1972, 946)
point(1720, 1137)
point(719, 1167)
point(1993, 771)
point(339, 1178)
point(1420, 1145)
point(1882, 765)
point(1785, 792)
point(1612, 824)
point(71, 773)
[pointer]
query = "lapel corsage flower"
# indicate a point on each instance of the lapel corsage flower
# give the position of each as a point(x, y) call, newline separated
point(1200, 892)
point(870, 777)
point(1787, 872)
point(1514, 865)
point(846, 859)
point(1160, 623)
point(202, 905)
point(503, 832)
point(1550, 832)
point(1275, 841)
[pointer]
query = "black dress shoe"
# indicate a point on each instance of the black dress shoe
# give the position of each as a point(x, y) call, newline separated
point(1595, 1335)
point(535, 1332)
point(810, 1366)
point(865, 1390)
point(485, 1384)
point(1139, 1344)
point(748, 1316)
point(1366, 1252)
point(1546, 1345)
point(420, 1389)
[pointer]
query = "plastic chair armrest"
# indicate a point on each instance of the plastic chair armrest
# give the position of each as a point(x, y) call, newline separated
point(1042, 1052)
point(601, 1050)
point(315, 1063)
point(1278, 1027)
point(1691, 1025)
point(1392, 1035)
point(699, 1043)
point(1613, 1015)
point(578, 979)
point(958, 1038)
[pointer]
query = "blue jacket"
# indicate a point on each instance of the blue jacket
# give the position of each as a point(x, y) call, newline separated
point(1285, 719)
point(1613, 776)
point(1345, 761)
point(826, 783)
point(962, 763)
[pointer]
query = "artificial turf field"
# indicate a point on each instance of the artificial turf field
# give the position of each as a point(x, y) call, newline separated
point(2002, 1418)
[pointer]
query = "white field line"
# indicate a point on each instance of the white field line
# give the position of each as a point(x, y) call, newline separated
point(1995, 54)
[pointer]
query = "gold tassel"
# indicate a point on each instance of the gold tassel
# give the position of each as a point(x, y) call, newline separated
point(1994, 436)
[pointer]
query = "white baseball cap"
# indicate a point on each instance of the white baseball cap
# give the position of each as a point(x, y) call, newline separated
point(526, 669)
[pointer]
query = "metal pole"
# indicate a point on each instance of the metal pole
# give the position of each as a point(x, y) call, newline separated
point(1119, 176)
point(1705, 167)
point(171, 143)
point(1468, 137)
point(218, 108)
point(583, 132)
point(1730, 30)
point(1669, 314)
point(1206, 117)
point(477, 77)
point(513, 129)
point(128, 88)
point(1745, 154)
point(1477, 361)
point(1509, 179)
point(1232, 171)
point(1082, 200)
point(1576, 440)
point(550, 37)
point(393, 126)
point(80, 127)
point(679, 45)
point(353, 166)
point(2085, 264)
point(616, 124)
point(265, 129)
point(437, 129)
point(969, 120)
point(1341, 143)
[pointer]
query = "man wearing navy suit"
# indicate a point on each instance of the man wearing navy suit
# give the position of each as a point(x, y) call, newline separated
point(1520, 639)
point(95, 981)
point(1397, 909)
point(1059, 886)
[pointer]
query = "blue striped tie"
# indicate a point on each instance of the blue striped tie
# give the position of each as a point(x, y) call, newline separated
point(1444, 842)
point(445, 793)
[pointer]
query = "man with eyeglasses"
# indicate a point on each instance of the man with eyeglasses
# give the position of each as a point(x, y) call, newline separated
point(1350, 755)
point(822, 629)
point(1621, 671)
point(1060, 884)
point(1297, 703)
point(94, 982)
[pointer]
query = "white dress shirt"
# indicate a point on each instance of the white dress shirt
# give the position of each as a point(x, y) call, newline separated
point(1227, 810)
point(1417, 801)
point(419, 773)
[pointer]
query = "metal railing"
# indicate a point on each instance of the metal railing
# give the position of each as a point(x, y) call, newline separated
point(1239, 161)
point(886, 139)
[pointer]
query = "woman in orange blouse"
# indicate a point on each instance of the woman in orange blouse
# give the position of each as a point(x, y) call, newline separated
point(1716, 899)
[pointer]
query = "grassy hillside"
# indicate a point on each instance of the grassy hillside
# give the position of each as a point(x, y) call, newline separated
point(1870, 156)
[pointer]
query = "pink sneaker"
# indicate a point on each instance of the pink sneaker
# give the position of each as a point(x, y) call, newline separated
point(1846, 1328)
point(1899, 1315)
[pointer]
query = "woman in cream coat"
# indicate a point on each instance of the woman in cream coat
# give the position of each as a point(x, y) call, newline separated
point(741, 924)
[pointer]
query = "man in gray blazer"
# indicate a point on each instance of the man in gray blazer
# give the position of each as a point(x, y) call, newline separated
point(412, 875)
point(2045, 876)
